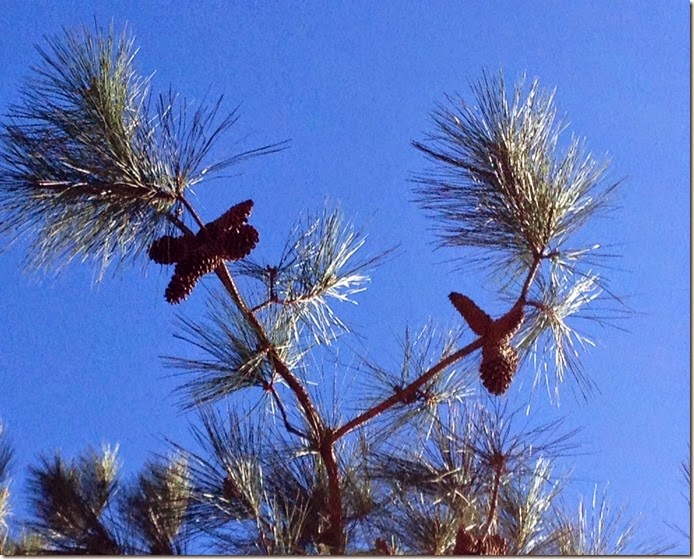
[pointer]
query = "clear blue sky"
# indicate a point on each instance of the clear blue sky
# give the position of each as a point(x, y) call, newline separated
point(351, 83)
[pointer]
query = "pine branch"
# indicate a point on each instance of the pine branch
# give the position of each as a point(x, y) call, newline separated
point(406, 394)
point(233, 360)
point(77, 173)
point(323, 439)
point(90, 168)
point(420, 351)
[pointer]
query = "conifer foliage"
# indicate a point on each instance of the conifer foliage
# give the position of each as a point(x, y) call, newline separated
point(422, 458)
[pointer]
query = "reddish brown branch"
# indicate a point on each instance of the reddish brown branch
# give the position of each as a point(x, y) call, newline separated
point(530, 278)
point(280, 367)
point(335, 537)
point(192, 211)
point(323, 439)
point(407, 393)
point(178, 223)
point(287, 425)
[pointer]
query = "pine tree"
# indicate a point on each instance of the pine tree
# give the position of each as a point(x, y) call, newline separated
point(95, 166)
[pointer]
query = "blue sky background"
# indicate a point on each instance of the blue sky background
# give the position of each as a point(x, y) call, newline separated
point(351, 84)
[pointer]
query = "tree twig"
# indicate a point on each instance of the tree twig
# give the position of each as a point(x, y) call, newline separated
point(323, 439)
point(498, 466)
point(192, 211)
point(407, 392)
point(288, 426)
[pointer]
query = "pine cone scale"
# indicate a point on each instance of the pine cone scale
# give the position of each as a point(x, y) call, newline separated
point(467, 544)
point(169, 250)
point(499, 365)
point(188, 272)
point(238, 244)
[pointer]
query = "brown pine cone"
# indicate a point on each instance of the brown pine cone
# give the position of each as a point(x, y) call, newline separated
point(506, 326)
point(239, 243)
point(499, 364)
point(492, 545)
point(499, 359)
point(169, 250)
point(232, 219)
point(478, 320)
point(189, 271)
point(466, 544)
point(382, 547)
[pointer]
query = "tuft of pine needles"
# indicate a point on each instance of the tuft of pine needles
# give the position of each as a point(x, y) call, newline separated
point(71, 504)
point(6, 454)
point(549, 336)
point(248, 500)
point(500, 180)
point(321, 264)
point(505, 180)
point(155, 508)
point(475, 471)
point(232, 357)
point(526, 504)
point(595, 529)
point(90, 166)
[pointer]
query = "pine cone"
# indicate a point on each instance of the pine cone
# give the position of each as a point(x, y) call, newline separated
point(499, 364)
point(492, 545)
point(466, 544)
point(232, 219)
point(506, 326)
point(478, 320)
point(499, 359)
point(382, 547)
point(228, 237)
point(169, 250)
point(239, 243)
point(189, 271)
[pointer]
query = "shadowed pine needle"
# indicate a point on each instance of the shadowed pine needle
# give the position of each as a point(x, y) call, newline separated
point(231, 357)
point(155, 506)
point(71, 504)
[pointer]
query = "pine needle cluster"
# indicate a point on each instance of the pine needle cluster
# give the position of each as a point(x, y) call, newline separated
point(500, 181)
point(92, 166)
point(504, 182)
